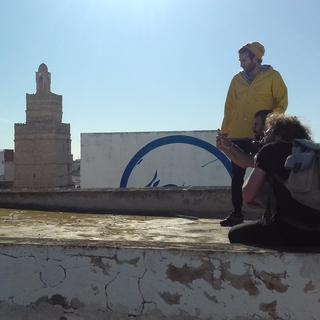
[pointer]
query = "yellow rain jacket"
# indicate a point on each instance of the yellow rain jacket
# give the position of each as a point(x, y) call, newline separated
point(266, 92)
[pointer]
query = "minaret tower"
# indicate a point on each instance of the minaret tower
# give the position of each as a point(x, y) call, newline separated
point(42, 145)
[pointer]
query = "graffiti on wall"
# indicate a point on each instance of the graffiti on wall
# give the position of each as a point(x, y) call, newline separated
point(155, 179)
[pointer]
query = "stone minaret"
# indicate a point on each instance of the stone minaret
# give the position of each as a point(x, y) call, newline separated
point(42, 145)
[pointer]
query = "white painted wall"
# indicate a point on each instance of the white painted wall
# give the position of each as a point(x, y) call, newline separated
point(105, 156)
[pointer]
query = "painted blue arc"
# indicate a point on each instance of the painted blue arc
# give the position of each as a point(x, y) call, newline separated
point(170, 140)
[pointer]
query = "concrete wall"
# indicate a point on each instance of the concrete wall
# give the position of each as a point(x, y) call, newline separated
point(69, 281)
point(212, 202)
point(152, 159)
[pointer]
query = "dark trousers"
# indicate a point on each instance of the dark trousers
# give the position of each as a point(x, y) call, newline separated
point(238, 177)
point(272, 235)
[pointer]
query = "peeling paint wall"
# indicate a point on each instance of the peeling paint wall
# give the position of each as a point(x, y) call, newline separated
point(68, 282)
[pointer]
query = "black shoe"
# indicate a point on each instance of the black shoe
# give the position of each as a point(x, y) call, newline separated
point(232, 220)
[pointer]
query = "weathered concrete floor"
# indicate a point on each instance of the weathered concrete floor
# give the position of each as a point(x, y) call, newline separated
point(58, 226)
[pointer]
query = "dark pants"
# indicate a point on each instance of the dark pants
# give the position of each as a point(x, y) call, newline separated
point(272, 235)
point(238, 176)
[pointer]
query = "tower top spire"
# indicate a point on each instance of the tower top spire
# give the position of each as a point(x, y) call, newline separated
point(43, 68)
point(43, 79)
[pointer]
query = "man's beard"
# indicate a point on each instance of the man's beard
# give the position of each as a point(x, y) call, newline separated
point(250, 68)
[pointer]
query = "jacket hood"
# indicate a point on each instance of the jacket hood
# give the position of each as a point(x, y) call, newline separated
point(264, 68)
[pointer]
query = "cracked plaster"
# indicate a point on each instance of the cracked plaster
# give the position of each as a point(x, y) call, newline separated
point(98, 280)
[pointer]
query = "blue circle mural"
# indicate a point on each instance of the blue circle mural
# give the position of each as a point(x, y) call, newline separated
point(136, 159)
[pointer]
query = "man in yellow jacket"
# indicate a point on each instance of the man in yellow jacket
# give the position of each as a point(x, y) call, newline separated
point(255, 88)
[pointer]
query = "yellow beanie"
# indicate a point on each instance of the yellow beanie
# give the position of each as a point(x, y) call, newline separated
point(256, 48)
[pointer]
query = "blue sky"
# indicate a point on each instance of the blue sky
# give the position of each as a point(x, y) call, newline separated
point(151, 65)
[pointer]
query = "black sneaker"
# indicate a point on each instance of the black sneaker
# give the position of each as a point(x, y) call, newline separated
point(232, 220)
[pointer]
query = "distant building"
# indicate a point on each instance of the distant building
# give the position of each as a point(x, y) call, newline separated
point(76, 173)
point(42, 145)
point(6, 165)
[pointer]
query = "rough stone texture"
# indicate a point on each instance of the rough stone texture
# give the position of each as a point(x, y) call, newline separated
point(157, 269)
point(42, 145)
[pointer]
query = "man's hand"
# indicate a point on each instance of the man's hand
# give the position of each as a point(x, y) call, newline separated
point(223, 142)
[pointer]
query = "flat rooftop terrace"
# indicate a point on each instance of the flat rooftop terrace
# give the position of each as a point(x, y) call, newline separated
point(126, 230)
point(76, 266)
